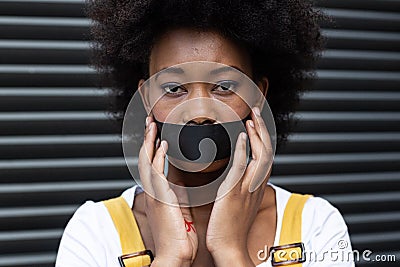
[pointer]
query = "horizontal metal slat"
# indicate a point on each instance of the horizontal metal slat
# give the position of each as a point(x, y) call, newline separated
point(350, 101)
point(63, 186)
point(49, 123)
point(359, 60)
point(29, 241)
point(357, 80)
point(46, 28)
point(341, 142)
point(61, 193)
point(60, 163)
point(37, 211)
point(364, 197)
point(60, 8)
point(363, 19)
point(53, 99)
point(47, 75)
point(54, 92)
point(44, 52)
point(58, 140)
point(283, 164)
point(316, 121)
point(362, 40)
point(28, 259)
point(339, 183)
point(338, 162)
point(279, 160)
point(373, 222)
point(52, 146)
point(99, 173)
point(15, 218)
point(384, 5)
point(361, 202)
point(33, 235)
point(67, 169)
point(349, 116)
point(339, 178)
point(45, 45)
point(375, 241)
point(376, 217)
point(44, 21)
point(45, 69)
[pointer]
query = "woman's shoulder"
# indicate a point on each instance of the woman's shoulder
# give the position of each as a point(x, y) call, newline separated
point(315, 209)
point(96, 209)
point(90, 234)
point(323, 227)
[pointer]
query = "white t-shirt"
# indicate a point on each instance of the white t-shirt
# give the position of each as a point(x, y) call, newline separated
point(90, 238)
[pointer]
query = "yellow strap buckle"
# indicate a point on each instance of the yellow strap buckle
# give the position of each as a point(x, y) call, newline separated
point(287, 254)
point(141, 258)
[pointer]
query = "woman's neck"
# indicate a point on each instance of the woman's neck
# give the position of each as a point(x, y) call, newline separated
point(194, 179)
point(191, 179)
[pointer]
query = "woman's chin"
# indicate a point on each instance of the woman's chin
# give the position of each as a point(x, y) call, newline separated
point(218, 165)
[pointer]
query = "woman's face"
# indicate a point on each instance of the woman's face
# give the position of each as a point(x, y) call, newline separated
point(188, 45)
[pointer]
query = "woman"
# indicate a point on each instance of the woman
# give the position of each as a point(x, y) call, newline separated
point(274, 43)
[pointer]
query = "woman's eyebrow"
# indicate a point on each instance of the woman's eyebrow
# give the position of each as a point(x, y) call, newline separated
point(225, 69)
point(172, 70)
point(176, 70)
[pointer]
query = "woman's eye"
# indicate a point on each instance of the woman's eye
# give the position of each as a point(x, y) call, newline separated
point(172, 88)
point(226, 86)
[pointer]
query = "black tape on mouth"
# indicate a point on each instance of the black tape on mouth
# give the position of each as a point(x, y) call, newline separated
point(186, 147)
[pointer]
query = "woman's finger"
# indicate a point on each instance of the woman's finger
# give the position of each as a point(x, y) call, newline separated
point(256, 173)
point(239, 165)
point(256, 143)
point(160, 183)
point(261, 128)
point(159, 158)
point(146, 156)
point(144, 166)
point(149, 140)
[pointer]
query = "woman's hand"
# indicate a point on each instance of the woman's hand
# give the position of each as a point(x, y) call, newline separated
point(233, 214)
point(174, 236)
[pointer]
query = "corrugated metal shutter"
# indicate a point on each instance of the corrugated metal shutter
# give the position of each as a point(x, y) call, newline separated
point(58, 149)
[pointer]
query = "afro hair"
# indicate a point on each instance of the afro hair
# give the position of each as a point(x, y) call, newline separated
point(283, 38)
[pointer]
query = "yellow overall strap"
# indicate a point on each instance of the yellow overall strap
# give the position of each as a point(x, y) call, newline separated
point(291, 227)
point(128, 231)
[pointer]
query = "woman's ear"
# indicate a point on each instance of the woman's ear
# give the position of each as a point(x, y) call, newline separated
point(263, 85)
point(144, 95)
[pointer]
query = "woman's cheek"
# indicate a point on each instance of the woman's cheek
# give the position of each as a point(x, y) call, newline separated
point(161, 110)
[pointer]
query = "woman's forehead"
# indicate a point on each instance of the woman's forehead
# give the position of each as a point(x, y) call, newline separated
point(187, 45)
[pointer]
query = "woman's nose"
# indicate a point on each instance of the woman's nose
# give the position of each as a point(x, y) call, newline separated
point(197, 90)
point(201, 120)
point(200, 106)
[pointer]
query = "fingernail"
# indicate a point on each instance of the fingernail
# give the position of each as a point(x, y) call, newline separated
point(243, 135)
point(164, 144)
point(147, 121)
point(251, 123)
point(157, 142)
point(257, 111)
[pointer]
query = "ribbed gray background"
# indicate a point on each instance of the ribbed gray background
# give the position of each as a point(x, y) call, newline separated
point(58, 149)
